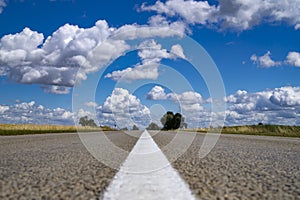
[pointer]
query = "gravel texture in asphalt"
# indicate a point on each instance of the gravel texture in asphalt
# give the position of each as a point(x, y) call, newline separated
point(54, 166)
point(240, 167)
point(58, 166)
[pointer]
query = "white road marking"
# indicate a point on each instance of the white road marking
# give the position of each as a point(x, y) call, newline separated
point(147, 174)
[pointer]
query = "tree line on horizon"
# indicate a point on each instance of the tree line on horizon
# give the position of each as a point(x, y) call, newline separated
point(169, 121)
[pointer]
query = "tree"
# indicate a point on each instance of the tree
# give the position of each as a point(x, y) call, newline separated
point(85, 121)
point(171, 121)
point(167, 120)
point(177, 121)
point(135, 128)
point(153, 126)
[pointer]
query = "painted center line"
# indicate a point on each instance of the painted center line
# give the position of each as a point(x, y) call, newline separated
point(147, 174)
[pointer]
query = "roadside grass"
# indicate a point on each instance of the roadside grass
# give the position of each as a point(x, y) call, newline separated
point(24, 129)
point(264, 130)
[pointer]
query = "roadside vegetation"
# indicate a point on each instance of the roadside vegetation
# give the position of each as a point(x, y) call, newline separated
point(170, 121)
point(153, 126)
point(24, 129)
point(260, 129)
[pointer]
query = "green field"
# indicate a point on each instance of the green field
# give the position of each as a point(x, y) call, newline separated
point(24, 129)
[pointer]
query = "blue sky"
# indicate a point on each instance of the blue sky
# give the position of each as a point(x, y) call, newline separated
point(45, 45)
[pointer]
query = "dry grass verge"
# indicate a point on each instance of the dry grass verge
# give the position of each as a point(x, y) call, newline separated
point(24, 129)
point(266, 130)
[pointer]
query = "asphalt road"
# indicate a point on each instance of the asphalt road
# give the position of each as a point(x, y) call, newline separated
point(58, 166)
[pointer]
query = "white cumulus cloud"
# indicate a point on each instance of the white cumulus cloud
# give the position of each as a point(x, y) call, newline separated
point(150, 53)
point(140, 71)
point(238, 15)
point(30, 112)
point(55, 89)
point(293, 58)
point(264, 60)
point(191, 11)
point(91, 104)
point(71, 52)
point(29, 58)
point(272, 106)
point(2, 5)
point(286, 96)
point(157, 93)
point(191, 104)
point(33, 113)
point(177, 51)
point(3, 109)
point(276, 106)
point(124, 110)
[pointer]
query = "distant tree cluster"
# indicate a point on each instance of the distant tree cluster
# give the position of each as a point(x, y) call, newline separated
point(171, 121)
point(135, 128)
point(85, 121)
point(153, 126)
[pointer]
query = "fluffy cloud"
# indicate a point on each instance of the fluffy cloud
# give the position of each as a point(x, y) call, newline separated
point(29, 59)
point(293, 58)
point(124, 110)
point(3, 109)
point(2, 5)
point(191, 104)
point(242, 15)
point(165, 29)
point(277, 106)
point(55, 89)
point(138, 72)
point(265, 60)
point(150, 54)
point(178, 51)
point(286, 96)
point(91, 104)
point(188, 98)
point(233, 14)
point(71, 52)
point(191, 11)
point(30, 112)
point(157, 93)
